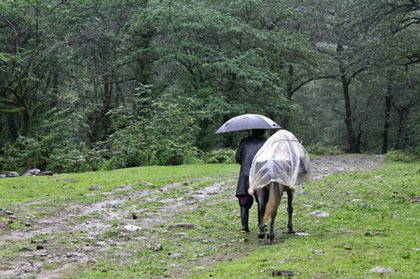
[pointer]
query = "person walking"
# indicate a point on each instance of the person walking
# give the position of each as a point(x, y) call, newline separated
point(247, 149)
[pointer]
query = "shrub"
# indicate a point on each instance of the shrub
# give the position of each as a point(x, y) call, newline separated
point(226, 156)
point(324, 150)
point(193, 156)
point(160, 133)
point(25, 153)
point(406, 156)
point(75, 160)
point(127, 148)
point(169, 153)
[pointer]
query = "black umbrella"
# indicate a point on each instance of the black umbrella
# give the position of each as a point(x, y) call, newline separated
point(248, 122)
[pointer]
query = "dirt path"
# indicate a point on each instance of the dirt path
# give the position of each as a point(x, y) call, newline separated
point(43, 255)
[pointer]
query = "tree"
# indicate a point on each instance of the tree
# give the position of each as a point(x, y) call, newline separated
point(28, 57)
point(349, 48)
point(213, 55)
point(397, 22)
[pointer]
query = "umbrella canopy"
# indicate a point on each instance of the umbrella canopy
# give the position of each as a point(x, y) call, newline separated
point(247, 122)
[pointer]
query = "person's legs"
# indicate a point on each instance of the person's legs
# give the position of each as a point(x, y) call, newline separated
point(245, 202)
point(244, 219)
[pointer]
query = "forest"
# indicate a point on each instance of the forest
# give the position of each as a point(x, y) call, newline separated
point(91, 85)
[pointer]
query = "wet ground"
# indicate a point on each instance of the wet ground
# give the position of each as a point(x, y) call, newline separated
point(63, 241)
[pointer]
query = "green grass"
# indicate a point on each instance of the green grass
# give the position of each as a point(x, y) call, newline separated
point(71, 187)
point(375, 222)
point(314, 156)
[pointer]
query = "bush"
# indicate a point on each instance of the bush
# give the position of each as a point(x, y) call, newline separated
point(75, 160)
point(28, 153)
point(127, 148)
point(169, 153)
point(160, 133)
point(24, 154)
point(324, 150)
point(193, 156)
point(225, 156)
point(406, 156)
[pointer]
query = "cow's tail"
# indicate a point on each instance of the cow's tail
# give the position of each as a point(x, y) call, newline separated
point(276, 192)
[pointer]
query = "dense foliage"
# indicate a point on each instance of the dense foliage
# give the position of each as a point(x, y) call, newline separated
point(88, 85)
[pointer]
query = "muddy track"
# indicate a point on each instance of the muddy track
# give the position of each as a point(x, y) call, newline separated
point(88, 223)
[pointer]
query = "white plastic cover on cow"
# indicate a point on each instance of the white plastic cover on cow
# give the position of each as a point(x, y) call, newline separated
point(281, 159)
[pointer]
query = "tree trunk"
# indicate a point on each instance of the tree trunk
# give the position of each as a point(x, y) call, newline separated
point(348, 120)
point(290, 82)
point(388, 105)
point(353, 141)
point(286, 118)
point(12, 127)
point(26, 124)
point(105, 108)
point(403, 113)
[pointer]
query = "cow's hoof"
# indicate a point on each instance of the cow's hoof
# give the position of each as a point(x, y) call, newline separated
point(261, 235)
point(291, 232)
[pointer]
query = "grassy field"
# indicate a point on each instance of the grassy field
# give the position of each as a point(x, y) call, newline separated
point(374, 222)
point(73, 186)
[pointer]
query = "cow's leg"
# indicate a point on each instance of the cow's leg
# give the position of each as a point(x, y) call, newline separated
point(276, 192)
point(261, 196)
point(290, 210)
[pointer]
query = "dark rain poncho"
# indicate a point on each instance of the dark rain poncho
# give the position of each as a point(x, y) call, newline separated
point(244, 155)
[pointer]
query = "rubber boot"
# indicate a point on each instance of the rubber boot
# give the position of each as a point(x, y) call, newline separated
point(244, 219)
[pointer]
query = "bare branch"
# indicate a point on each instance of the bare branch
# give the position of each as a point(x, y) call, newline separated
point(309, 80)
point(56, 6)
point(357, 72)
